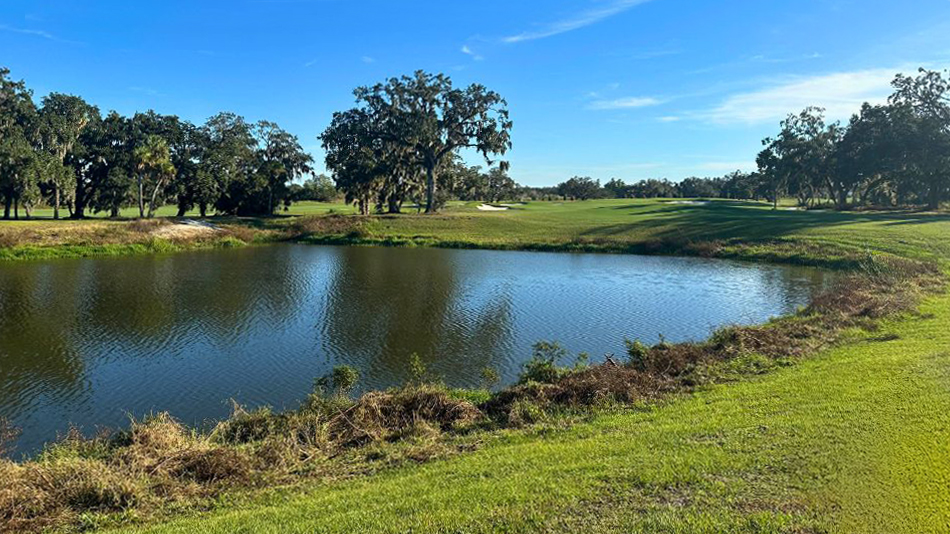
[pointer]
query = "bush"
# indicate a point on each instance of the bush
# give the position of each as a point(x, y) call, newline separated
point(637, 353)
point(544, 368)
point(340, 381)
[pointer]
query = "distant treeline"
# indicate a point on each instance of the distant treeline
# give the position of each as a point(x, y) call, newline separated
point(893, 154)
point(403, 142)
point(65, 154)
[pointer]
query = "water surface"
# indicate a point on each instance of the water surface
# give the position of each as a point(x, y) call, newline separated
point(90, 341)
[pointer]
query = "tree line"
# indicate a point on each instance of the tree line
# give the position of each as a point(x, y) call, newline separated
point(66, 154)
point(891, 154)
point(404, 140)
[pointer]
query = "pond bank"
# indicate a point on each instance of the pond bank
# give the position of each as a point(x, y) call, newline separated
point(333, 436)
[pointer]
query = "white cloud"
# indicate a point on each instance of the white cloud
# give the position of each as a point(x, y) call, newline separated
point(36, 33)
point(841, 94)
point(368, 59)
point(469, 52)
point(579, 20)
point(629, 102)
point(669, 118)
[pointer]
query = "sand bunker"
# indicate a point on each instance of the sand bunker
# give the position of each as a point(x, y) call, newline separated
point(487, 207)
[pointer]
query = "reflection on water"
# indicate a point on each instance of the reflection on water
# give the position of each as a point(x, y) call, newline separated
point(90, 341)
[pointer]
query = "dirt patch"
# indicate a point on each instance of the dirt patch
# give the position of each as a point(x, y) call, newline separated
point(182, 232)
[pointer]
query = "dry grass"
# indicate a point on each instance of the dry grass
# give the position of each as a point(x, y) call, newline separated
point(329, 225)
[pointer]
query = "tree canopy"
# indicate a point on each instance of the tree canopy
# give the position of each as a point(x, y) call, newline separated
point(406, 131)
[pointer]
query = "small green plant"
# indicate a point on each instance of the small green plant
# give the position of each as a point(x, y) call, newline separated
point(637, 353)
point(419, 372)
point(543, 366)
point(340, 381)
point(490, 377)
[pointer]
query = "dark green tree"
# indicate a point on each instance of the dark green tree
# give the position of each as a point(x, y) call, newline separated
point(429, 117)
point(62, 120)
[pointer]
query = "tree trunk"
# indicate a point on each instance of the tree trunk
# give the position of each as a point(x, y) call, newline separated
point(934, 203)
point(181, 211)
point(16, 209)
point(55, 201)
point(141, 199)
point(8, 203)
point(202, 209)
point(154, 199)
point(394, 204)
point(114, 212)
point(430, 189)
point(80, 211)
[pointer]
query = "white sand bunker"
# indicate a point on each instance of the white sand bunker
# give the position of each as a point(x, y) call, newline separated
point(488, 207)
point(689, 202)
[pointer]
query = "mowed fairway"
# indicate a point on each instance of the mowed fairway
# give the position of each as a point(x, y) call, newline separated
point(854, 439)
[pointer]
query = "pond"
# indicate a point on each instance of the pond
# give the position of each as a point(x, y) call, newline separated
point(89, 342)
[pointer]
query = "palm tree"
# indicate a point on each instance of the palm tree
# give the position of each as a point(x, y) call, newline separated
point(153, 163)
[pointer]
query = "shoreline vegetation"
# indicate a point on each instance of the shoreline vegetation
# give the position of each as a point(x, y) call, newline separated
point(157, 469)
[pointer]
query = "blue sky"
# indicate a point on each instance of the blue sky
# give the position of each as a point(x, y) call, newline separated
point(606, 88)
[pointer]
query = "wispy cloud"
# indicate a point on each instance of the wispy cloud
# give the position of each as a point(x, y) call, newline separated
point(35, 33)
point(630, 102)
point(669, 118)
point(576, 21)
point(368, 59)
point(471, 53)
point(841, 94)
point(310, 63)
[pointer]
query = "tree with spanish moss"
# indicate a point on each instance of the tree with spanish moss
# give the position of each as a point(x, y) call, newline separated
point(430, 118)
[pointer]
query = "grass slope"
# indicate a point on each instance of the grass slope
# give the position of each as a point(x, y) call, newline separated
point(851, 441)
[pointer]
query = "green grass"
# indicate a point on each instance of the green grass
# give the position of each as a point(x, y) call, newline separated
point(852, 441)
point(618, 225)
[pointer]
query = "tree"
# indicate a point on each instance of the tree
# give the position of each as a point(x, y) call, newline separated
point(697, 188)
point(283, 160)
point(154, 166)
point(425, 114)
point(616, 188)
point(499, 185)
point(353, 155)
point(17, 158)
point(228, 164)
point(579, 188)
point(927, 96)
point(62, 119)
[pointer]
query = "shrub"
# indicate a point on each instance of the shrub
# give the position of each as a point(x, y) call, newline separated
point(340, 381)
point(636, 353)
point(543, 366)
